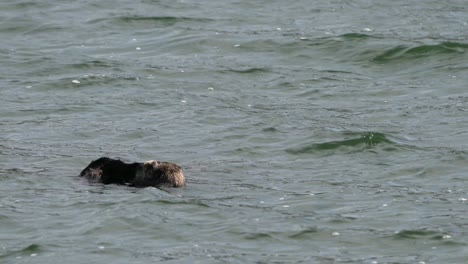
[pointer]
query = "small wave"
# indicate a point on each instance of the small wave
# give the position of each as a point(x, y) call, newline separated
point(352, 36)
point(258, 236)
point(93, 64)
point(304, 234)
point(247, 70)
point(414, 234)
point(30, 250)
point(426, 234)
point(163, 21)
point(184, 202)
point(366, 140)
point(402, 52)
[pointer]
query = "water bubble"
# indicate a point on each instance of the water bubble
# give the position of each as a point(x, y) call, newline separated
point(335, 234)
point(446, 236)
point(237, 45)
point(183, 101)
point(75, 81)
point(33, 254)
point(367, 29)
point(138, 48)
point(210, 88)
point(285, 206)
point(462, 199)
point(101, 247)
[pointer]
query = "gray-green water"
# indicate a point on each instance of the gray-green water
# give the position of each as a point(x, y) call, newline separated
point(310, 131)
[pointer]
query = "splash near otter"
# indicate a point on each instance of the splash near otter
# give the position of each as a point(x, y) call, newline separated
point(151, 173)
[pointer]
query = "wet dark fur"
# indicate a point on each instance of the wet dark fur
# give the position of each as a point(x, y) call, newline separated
point(151, 173)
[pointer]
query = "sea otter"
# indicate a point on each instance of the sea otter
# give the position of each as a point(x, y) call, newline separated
point(151, 173)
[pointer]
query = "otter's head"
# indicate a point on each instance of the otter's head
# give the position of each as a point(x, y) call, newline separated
point(157, 173)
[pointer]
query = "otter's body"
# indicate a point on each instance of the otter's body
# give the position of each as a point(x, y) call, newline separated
point(151, 173)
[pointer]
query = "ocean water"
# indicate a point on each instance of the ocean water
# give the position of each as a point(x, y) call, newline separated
point(309, 131)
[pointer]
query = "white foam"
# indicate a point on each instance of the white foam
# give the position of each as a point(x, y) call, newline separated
point(76, 82)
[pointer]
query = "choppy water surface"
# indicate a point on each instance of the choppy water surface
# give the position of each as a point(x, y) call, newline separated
point(310, 131)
